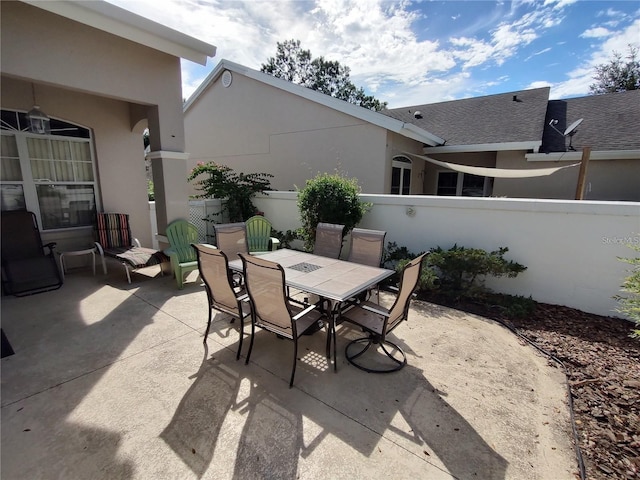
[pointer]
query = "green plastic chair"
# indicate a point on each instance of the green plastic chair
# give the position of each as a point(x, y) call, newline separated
point(259, 235)
point(181, 235)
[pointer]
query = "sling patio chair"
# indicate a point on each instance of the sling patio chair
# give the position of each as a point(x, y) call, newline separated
point(328, 240)
point(379, 321)
point(259, 235)
point(115, 241)
point(181, 234)
point(231, 238)
point(222, 294)
point(271, 310)
point(26, 267)
point(366, 248)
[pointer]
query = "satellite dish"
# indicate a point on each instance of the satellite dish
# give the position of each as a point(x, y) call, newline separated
point(571, 129)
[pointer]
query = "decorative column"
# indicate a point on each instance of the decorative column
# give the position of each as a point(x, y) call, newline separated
point(170, 187)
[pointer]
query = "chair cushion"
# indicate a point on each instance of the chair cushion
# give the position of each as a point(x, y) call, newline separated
point(113, 230)
point(137, 257)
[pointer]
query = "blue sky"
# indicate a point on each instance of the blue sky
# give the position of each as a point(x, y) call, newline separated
point(414, 52)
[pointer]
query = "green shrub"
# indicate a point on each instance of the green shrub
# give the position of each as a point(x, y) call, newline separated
point(150, 192)
point(330, 198)
point(630, 304)
point(463, 269)
point(286, 237)
point(237, 189)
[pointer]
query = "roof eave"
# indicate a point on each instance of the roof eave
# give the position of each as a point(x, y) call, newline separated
point(485, 147)
point(375, 118)
point(118, 21)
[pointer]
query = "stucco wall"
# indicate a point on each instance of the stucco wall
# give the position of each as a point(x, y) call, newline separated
point(78, 57)
point(101, 81)
point(571, 248)
point(119, 151)
point(253, 127)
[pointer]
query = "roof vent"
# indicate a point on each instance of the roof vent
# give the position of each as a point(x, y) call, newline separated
point(516, 99)
point(417, 114)
point(227, 78)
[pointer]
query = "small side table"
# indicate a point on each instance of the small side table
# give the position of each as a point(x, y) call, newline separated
point(75, 253)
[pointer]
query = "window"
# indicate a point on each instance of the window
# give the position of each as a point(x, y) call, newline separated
point(401, 176)
point(464, 184)
point(51, 175)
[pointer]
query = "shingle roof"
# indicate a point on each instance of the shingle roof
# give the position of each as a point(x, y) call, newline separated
point(503, 118)
point(611, 122)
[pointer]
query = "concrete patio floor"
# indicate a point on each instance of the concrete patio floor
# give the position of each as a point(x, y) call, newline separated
point(112, 381)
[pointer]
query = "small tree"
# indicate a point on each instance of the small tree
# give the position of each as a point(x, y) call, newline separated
point(330, 198)
point(238, 189)
point(617, 75)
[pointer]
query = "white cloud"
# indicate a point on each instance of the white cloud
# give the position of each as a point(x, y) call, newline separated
point(582, 76)
point(598, 32)
point(380, 42)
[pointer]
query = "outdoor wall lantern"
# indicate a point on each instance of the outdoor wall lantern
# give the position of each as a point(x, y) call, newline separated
point(38, 121)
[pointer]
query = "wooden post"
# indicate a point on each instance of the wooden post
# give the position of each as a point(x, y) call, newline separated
point(582, 175)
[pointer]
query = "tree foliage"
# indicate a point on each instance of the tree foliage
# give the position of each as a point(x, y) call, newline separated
point(618, 75)
point(220, 181)
point(296, 65)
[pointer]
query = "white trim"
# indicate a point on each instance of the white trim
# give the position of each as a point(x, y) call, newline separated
point(573, 156)
point(405, 129)
point(118, 21)
point(485, 147)
point(166, 154)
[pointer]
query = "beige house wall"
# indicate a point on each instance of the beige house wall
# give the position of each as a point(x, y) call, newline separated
point(605, 180)
point(111, 85)
point(253, 127)
point(118, 149)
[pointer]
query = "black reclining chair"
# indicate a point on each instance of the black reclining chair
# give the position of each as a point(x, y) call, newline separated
point(26, 268)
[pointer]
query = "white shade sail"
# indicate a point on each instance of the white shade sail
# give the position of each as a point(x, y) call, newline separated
point(494, 172)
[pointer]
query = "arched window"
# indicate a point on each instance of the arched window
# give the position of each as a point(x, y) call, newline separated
point(52, 175)
point(400, 176)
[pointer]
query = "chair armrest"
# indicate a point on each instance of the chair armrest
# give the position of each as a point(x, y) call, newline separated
point(305, 311)
point(170, 251)
point(136, 242)
point(275, 243)
point(100, 249)
point(375, 309)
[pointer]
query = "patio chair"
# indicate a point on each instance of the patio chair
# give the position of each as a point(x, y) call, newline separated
point(26, 268)
point(366, 247)
point(259, 235)
point(231, 238)
point(115, 241)
point(328, 242)
point(378, 322)
point(271, 310)
point(181, 234)
point(221, 292)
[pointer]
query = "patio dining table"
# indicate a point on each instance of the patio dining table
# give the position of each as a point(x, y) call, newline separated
point(330, 279)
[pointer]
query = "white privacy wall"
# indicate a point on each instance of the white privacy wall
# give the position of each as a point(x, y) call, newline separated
point(570, 247)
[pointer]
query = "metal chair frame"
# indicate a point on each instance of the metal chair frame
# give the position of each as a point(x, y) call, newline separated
point(378, 321)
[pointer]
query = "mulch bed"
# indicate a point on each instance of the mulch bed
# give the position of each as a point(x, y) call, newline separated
point(603, 365)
